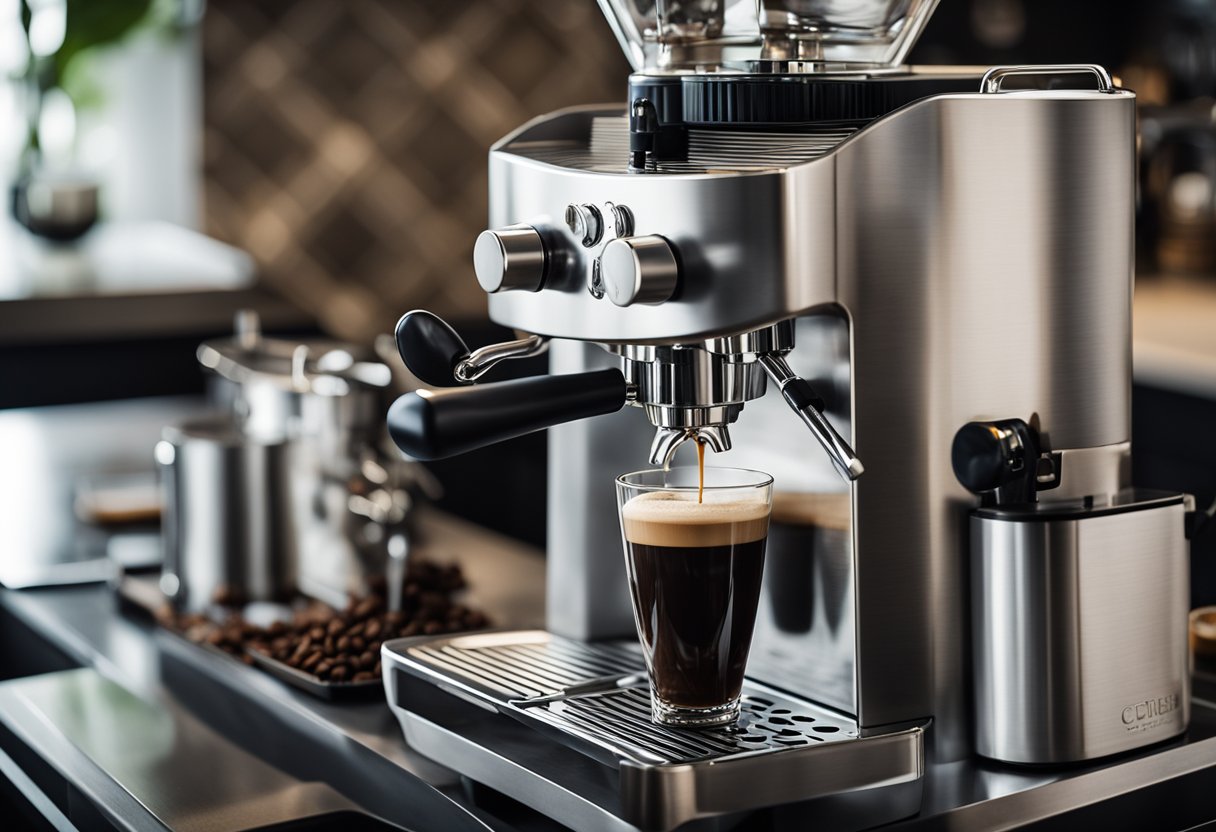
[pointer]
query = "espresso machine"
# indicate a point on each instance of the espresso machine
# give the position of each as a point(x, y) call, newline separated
point(932, 268)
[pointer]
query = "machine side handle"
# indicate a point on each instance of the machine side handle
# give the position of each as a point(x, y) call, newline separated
point(804, 401)
point(434, 424)
point(991, 82)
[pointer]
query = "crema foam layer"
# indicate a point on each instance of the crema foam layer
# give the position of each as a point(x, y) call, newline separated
point(662, 518)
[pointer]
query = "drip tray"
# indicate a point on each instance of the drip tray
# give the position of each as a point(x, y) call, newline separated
point(491, 706)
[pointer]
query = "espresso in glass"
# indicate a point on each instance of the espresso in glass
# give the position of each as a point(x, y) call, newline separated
point(695, 561)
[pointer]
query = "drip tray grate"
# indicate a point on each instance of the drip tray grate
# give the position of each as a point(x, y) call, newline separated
point(783, 749)
point(622, 720)
point(619, 721)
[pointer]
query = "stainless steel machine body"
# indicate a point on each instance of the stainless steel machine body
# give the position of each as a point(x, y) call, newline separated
point(937, 261)
point(953, 273)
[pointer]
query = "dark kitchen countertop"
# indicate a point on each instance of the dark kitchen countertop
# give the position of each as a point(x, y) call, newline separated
point(134, 729)
point(151, 732)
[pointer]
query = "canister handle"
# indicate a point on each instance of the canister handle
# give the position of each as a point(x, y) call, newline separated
point(991, 82)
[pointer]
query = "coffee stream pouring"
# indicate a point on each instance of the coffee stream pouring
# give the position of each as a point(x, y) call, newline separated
point(688, 391)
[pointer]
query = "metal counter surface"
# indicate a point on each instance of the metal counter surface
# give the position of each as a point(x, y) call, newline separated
point(201, 733)
point(219, 715)
point(159, 734)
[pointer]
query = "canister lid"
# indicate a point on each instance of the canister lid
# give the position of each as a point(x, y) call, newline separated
point(318, 366)
point(1130, 499)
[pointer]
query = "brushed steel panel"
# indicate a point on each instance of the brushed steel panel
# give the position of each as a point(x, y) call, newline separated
point(1080, 634)
point(732, 233)
point(989, 277)
point(587, 595)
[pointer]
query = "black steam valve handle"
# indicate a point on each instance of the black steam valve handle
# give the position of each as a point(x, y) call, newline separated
point(430, 348)
point(437, 355)
point(435, 424)
point(997, 458)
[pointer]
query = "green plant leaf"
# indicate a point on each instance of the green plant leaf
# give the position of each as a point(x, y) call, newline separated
point(95, 22)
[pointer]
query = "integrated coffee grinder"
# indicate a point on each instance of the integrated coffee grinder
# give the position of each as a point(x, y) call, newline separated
point(933, 268)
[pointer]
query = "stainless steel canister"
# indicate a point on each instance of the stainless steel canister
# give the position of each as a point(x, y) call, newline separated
point(326, 400)
point(1080, 628)
point(227, 527)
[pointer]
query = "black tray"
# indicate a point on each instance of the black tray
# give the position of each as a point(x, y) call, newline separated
point(333, 691)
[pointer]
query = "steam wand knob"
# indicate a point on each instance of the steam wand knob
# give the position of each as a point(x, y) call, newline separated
point(804, 401)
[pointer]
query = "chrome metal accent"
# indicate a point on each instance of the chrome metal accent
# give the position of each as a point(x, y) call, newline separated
point(640, 270)
point(618, 221)
point(844, 460)
point(1080, 646)
point(604, 684)
point(478, 363)
point(784, 748)
point(667, 440)
point(586, 223)
point(692, 416)
point(991, 82)
point(595, 284)
point(778, 338)
point(510, 258)
point(687, 377)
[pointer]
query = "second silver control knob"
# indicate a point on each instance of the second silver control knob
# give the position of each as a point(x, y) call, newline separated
point(639, 270)
point(510, 258)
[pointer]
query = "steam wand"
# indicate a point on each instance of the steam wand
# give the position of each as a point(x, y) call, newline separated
point(803, 400)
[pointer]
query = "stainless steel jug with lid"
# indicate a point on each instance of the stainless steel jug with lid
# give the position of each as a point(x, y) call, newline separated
point(337, 496)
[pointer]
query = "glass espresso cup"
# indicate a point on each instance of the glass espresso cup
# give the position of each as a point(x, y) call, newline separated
point(695, 558)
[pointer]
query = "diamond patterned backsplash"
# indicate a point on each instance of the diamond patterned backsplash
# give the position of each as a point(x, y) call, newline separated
point(345, 143)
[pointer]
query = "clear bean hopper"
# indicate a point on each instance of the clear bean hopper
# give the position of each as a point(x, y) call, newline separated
point(680, 33)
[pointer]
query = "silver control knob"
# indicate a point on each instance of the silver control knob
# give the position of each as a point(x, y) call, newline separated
point(639, 270)
point(510, 258)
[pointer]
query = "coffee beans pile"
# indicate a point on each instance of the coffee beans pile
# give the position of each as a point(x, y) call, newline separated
point(344, 646)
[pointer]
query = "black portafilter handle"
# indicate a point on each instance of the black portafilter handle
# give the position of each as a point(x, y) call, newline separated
point(435, 424)
point(430, 348)
point(997, 458)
